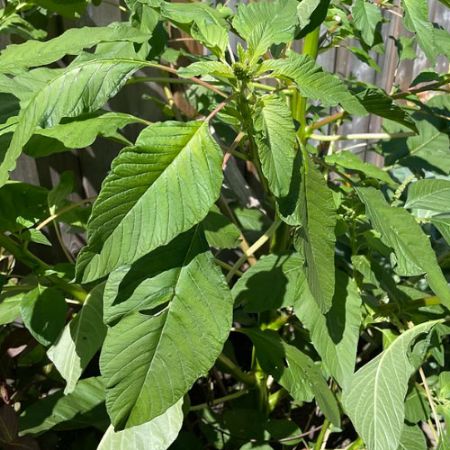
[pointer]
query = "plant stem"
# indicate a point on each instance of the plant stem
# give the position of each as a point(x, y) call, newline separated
point(326, 120)
point(356, 136)
point(233, 369)
point(227, 266)
point(276, 397)
point(220, 400)
point(21, 254)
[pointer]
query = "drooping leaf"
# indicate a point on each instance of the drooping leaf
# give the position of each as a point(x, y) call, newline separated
point(294, 370)
point(265, 23)
point(417, 20)
point(366, 17)
point(350, 161)
point(276, 143)
point(82, 88)
point(412, 438)
point(318, 236)
point(313, 82)
point(442, 223)
point(399, 231)
point(219, 231)
point(432, 195)
point(335, 334)
point(43, 311)
point(152, 194)
point(273, 282)
point(374, 399)
point(155, 352)
point(158, 434)
point(72, 42)
point(81, 339)
point(83, 408)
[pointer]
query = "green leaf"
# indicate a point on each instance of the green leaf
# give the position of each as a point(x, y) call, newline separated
point(158, 434)
point(399, 231)
point(214, 68)
point(334, 335)
point(179, 317)
point(294, 370)
point(272, 283)
point(305, 10)
point(366, 17)
point(72, 42)
point(67, 8)
point(374, 400)
point(265, 23)
point(376, 101)
point(275, 140)
point(152, 194)
point(219, 231)
point(432, 195)
point(81, 88)
point(313, 82)
point(318, 237)
point(43, 311)
point(10, 309)
point(350, 161)
point(442, 223)
point(417, 20)
point(81, 339)
point(412, 438)
point(83, 408)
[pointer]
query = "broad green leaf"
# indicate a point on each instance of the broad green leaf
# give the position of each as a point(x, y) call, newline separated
point(432, 195)
point(265, 23)
point(318, 237)
point(72, 42)
point(376, 101)
point(350, 161)
point(366, 17)
point(305, 10)
point(416, 20)
point(272, 283)
point(214, 68)
point(412, 248)
point(67, 8)
point(374, 399)
point(219, 231)
point(313, 82)
point(275, 138)
point(81, 88)
point(10, 309)
point(334, 335)
point(203, 22)
point(154, 354)
point(442, 223)
point(17, 25)
point(416, 405)
point(412, 438)
point(294, 370)
point(157, 434)
point(152, 194)
point(43, 312)
point(81, 339)
point(83, 408)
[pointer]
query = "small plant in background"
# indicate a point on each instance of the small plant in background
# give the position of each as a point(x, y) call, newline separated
point(247, 281)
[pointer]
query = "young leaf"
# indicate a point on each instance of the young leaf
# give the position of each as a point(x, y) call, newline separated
point(366, 17)
point(272, 283)
point(374, 399)
point(335, 334)
point(83, 408)
point(294, 370)
point(81, 88)
point(265, 23)
point(417, 20)
point(432, 195)
point(276, 142)
point(175, 332)
point(313, 82)
point(43, 311)
point(158, 434)
point(399, 231)
point(81, 339)
point(152, 194)
point(36, 53)
point(214, 68)
point(318, 237)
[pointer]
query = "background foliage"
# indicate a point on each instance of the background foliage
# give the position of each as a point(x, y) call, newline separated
point(246, 281)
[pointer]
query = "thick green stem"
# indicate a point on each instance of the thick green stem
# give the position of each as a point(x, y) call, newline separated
point(322, 435)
